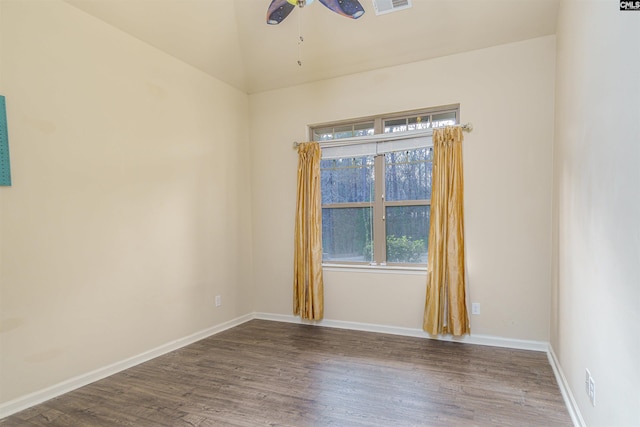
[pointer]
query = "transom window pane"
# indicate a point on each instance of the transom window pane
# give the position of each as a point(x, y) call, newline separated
point(363, 129)
point(347, 234)
point(396, 125)
point(408, 174)
point(347, 180)
point(323, 134)
point(420, 122)
point(343, 131)
point(407, 124)
point(444, 119)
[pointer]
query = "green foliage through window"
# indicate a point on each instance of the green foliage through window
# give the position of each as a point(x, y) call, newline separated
point(403, 249)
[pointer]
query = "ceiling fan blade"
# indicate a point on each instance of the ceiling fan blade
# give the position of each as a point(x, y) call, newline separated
point(278, 10)
point(350, 8)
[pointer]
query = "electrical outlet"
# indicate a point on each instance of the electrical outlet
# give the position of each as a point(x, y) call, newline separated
point(475, 308)
point(590, 387)
point(218, 300)
point(587, 377)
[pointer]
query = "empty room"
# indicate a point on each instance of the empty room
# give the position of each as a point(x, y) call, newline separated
point(319, 213)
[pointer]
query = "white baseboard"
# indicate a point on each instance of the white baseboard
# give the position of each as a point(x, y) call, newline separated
point(569, 401)
point(24, 402)
point(412, 332)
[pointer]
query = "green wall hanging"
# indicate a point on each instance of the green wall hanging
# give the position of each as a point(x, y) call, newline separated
point(5, 170)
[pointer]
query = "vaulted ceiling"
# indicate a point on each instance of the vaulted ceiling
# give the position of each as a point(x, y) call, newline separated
point(230, 40)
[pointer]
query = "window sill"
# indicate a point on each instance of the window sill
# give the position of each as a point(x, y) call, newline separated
point(362, 268)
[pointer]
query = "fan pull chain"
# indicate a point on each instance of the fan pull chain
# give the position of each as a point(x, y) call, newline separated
point(300, 38)
point(300, 51)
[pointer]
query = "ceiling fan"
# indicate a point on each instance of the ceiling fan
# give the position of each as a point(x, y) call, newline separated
point(280, 9)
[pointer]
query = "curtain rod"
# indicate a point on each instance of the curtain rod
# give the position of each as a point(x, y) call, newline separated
point(467, 127)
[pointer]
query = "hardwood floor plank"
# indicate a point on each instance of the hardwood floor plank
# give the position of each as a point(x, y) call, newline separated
point(264, 373)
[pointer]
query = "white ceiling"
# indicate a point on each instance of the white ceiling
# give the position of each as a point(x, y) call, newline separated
point(230, 40)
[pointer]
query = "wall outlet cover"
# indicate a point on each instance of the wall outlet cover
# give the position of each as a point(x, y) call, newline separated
point(475, 308)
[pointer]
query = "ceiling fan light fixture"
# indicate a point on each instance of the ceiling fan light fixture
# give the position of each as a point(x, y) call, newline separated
point(300, 3)
point(279, 9)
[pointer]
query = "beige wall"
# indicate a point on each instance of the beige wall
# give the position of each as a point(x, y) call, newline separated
point(508, 93)
point(596, 269)
point(132, 196)
point(129, 203)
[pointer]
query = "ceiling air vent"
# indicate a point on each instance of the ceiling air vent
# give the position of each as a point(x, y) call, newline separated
point(387, 6)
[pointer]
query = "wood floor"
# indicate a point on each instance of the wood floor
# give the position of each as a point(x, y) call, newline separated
point(265, 373)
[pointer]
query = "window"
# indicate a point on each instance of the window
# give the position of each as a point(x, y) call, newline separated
point(343, 131)
point(376, 192)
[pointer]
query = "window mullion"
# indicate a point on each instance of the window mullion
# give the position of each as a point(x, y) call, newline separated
point(407, 203)
point(377, 125)
point(379, 245)
point(347, 205)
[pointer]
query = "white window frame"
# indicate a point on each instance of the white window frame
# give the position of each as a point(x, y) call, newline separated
point(377, 144)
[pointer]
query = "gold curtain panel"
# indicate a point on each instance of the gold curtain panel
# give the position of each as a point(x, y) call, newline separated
point(308, 292)
point(446, 308)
